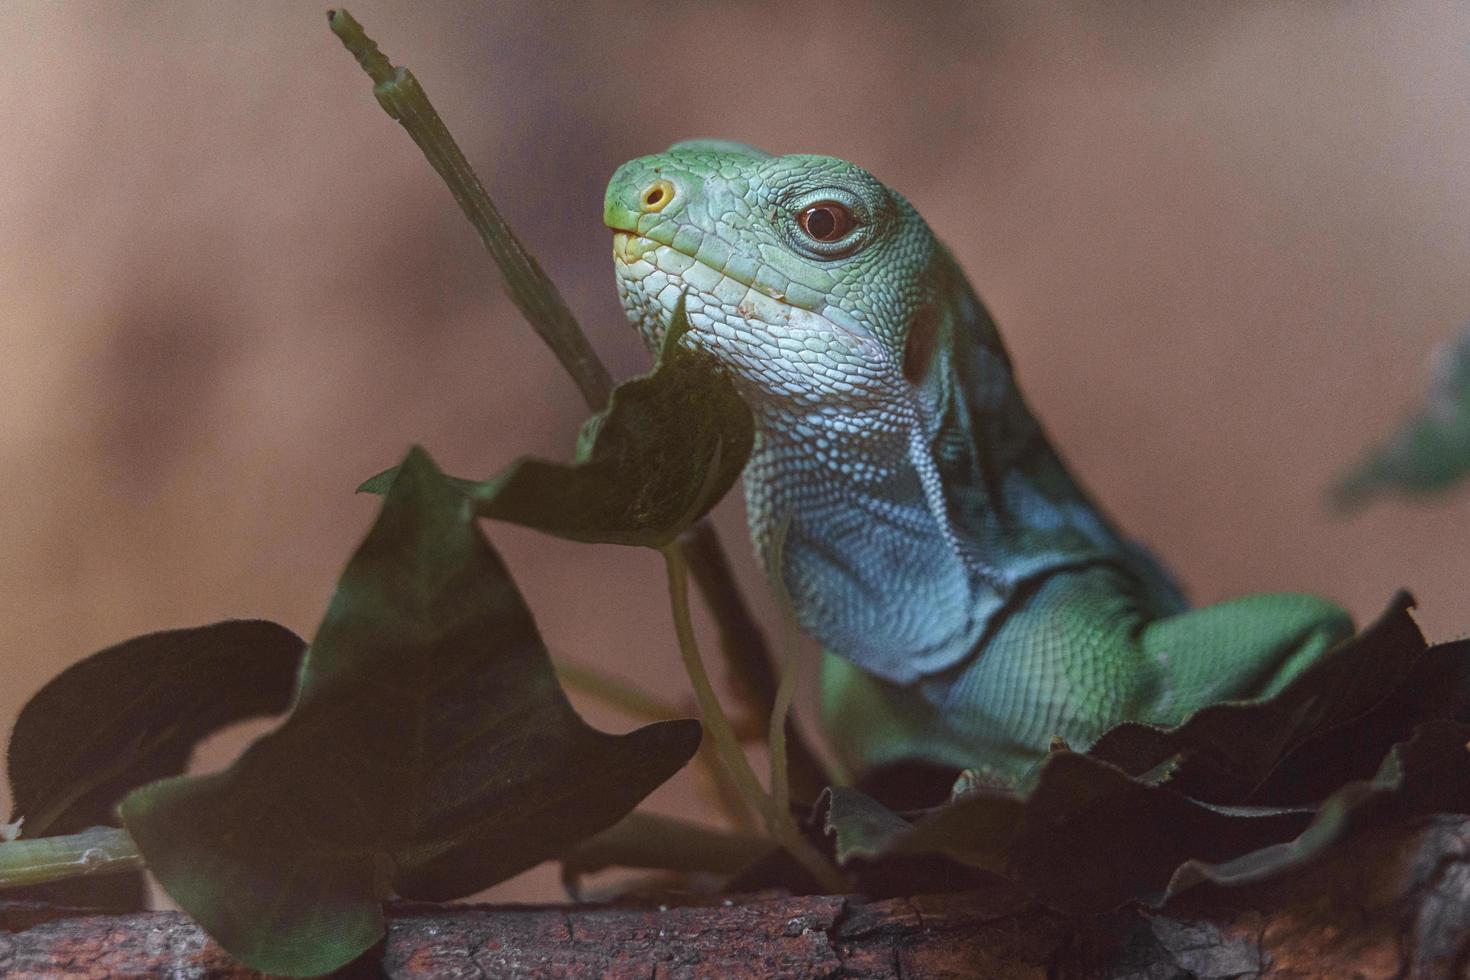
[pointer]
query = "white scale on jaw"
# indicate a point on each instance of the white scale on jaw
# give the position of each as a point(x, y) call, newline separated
point(763, 335)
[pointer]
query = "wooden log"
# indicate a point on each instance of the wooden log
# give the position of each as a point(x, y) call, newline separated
point(1393, 902)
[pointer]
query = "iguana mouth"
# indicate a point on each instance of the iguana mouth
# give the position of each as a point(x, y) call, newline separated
point(757, 330)
point(630, 247)
point(778, 350)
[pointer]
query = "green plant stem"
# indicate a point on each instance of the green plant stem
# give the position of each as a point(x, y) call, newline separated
point(625, 697)
point(615, 691)
point(95, 851)
point(726, 793)
point(778, 822)
point(716, 722)
point(747, 658)
point(786, 690)
point(780, 781)
point(401, 96)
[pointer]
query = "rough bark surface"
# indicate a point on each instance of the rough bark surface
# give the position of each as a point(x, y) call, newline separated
point(1390, 903)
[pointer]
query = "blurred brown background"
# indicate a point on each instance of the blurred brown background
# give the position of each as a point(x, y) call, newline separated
point(1221, 240)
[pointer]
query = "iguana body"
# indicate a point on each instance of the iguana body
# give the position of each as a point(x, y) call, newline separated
point(973, 600)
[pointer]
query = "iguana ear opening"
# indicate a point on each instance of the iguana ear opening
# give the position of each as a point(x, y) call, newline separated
point(920, 344)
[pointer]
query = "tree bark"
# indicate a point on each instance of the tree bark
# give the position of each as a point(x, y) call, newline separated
point(1389, 903)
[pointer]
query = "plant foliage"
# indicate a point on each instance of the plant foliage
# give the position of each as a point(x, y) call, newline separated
point(430, 753)
point(668, 447)
point(1238, 792)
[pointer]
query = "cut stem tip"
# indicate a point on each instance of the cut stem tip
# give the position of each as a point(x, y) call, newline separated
point(362, 47)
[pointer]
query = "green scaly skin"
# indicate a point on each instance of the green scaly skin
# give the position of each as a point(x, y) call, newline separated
point(973, 601)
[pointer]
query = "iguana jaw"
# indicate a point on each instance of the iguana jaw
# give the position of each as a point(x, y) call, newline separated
point(629, 247)
point(779, 350)
point(720, 282)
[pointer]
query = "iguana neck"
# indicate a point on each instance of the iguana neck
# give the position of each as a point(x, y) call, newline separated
point(912, 525)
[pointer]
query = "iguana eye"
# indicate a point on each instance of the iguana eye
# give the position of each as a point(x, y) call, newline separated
point(826, 221)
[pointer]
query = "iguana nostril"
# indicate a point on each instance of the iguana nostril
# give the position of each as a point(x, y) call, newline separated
point(657, 195)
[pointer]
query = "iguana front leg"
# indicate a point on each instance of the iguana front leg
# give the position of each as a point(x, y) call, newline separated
point(1078, 657)
point(974, 600)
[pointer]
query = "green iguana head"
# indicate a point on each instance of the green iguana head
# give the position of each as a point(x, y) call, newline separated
point(803, 273)
point(827, 298)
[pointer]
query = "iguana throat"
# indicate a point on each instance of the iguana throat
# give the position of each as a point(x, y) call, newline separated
point(920, 492)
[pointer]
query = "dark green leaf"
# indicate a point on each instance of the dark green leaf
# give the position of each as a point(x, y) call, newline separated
point(1437, 688)
point(1429, 773)
point(1084, 835)
point(132, 714)
point(669, 446)
point(430, 753)
point(1223, 752)
point(1092, 838)
point(1087, 837)
point(860, 826)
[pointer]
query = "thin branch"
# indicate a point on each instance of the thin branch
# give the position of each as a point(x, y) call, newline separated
point(746, 654)
point(790, 660)
point(95, 851)
point(741, 641)
point(778, 821)
point(401, 96)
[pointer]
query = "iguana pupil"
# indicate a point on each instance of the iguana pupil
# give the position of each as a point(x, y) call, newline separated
point(826, 222)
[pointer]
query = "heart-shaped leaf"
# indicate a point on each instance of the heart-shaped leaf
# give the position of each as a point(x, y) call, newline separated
point(131, 714)
point(1437, 689)
point(430, 753)
point(669, 446)
point(1428, 773)
point(1085, 839)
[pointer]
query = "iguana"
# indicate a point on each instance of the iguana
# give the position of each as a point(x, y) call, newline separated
point(972, 599)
